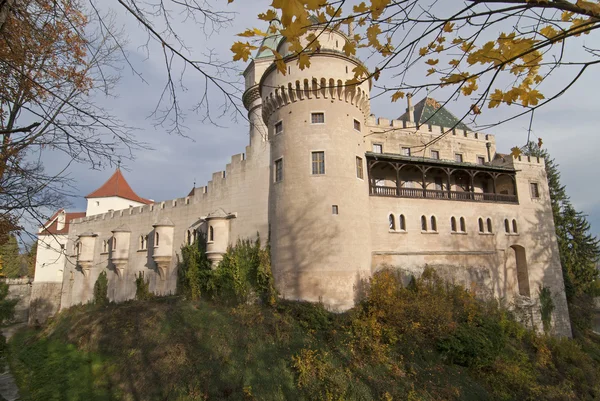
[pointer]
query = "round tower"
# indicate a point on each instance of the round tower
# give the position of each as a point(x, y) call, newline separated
point(318, 197)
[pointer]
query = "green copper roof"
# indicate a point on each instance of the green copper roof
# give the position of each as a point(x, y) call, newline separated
point(429, 111)
point(268, 43)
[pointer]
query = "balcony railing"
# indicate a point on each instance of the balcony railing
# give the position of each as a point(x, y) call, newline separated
point(378, 190)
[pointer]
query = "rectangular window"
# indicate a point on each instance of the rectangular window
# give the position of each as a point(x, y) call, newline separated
point(480, 160)
point(279, 127)
point(458, 157)
point(357, 125)
point(435, 154)
point(535, 190)
point(334, 209)
point(318, 162)
point(377, 148)
point(359, 168)
point(317, 118)
point(406, 151)
point(278, 170)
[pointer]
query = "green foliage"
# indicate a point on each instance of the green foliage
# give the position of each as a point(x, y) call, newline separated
point(546, 308)
point(10, 258)
point(101, 289)
point(31, 257)
point(242, 275)
point(7, 311)
point(142, 288)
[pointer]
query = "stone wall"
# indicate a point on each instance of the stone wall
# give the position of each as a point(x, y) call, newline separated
point(45, 301)
point(20, 289)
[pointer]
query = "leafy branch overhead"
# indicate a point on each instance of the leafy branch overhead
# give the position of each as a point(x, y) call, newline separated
point(493, 52)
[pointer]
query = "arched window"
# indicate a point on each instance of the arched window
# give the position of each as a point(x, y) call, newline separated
point(506, 226)
point(392, 222)
point(402, 222)
point(114, 243)
point(105, 246)
point(514, 224)
point(480, 225)
point(156, 239)
point(433, 223)
point(211, 234)
point(453, 224)
point(463, 225)
point(423, 223)
point(489, 225)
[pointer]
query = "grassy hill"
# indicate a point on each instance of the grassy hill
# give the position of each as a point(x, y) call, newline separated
point(431, 341)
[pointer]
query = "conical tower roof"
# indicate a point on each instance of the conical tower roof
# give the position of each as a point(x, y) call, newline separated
point(116, 185)
point(430, 111)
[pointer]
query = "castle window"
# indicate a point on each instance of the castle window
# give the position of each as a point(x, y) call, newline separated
point(435, 154)
point(433, 224)
point(489, 226)
point(211, 234)
point(458, 157)
point(463, 226)
point(480, 225)
point(506, 226)
point(480, 160)
point(114, 243)
point(514, 227)
point(453, 224)
point(318, 163)
point(317, 118)
point(405, 151)
point(392, 222)
point(279, 127)
point(97, 203)
point(278, 170)
point(189, 237)
point(334, 209)
point(423, 223)
point(357, 125)
point(156, 239)
point(377, 148)
point(143, 242)
point(359, 168)
point(105, 246)
point(402, 220)
point(535, 190)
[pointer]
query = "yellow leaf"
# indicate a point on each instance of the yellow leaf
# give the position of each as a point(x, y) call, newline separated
point(423, 51)
point(469, 87)
point(303, 61)
point(361, 8)
point(475, 109)
point(279, 62)
point(269, 16)
point(454, 62)
point(376, 74)
point(372, 35)
point(330, 10)
point(430, 71)
point(349, 48)
point(549, 32)
point(241, 51)
point(457, 41)
point(540, 142)
point(432, 61)
point(515, 152)
point(439, 48)
point(495, 99)
point(448, 27)
point(248, 33)
point(530, 98)
point(566, 16)
point(397, 95)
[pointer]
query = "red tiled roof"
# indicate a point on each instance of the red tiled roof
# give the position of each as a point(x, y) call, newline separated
point(51, 226)
point(117, 186)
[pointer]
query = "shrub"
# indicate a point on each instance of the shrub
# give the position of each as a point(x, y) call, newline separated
point(101, 289)
point(546, 308)
point(142, 288)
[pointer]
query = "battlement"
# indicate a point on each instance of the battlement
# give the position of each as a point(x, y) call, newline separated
point(384, 123)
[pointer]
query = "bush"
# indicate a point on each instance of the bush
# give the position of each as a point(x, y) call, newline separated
point(101, 289)
point(142, 288)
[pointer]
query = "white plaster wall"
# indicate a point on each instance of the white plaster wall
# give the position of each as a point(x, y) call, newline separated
point(103, 205)
point(50, 258)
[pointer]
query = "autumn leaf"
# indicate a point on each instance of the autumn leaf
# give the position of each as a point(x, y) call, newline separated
point(372, 35)
point(454, 63)
point(515, 152)
point(430, 71)
point(397, 95)
point(361, 8)
point(303, 61)
point(268, 16)
point(495, 99)
point(376, 74)
point(248, 33)
point(531, 98)
point(540, 142)
point(349, 48)
point(432, 61)
point(241, 51)
point(448, 27)
point(475, 109)
point(423, 51)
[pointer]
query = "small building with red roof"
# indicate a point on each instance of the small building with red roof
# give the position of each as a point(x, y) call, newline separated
point(114, 194)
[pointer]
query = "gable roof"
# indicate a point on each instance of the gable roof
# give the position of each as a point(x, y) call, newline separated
point(116, 185)
point(51, 226)
point(429, 111)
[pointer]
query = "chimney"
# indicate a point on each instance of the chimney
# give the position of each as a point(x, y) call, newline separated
point(410, 109)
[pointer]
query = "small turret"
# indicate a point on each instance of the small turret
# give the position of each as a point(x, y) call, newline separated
point(218, 227)
point(163, 246)
point(84, 249)
point(119, 255)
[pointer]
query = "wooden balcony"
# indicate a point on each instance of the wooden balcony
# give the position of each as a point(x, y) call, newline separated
point(395, 192)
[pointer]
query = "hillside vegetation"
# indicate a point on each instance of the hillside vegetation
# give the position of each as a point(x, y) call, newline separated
point(427, 341)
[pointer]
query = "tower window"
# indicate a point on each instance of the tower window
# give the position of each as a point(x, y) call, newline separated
point(334, 209)
point(435, 154)
point(535, 190)
point(423, 223)
point(489, 225)
point(156, 239)
point(318, 162)
point(453, 224)
point(104, 246)
point(279, 127)
point(402, 220)
point(463, 225)
point(433, 224)
point(211, 234)
point(317, 118)
point(114, 243)
point(357, 125)
point(506, 226)
point(377, 148)
point(406, 151)
point(359, 168)
point(143, 240)
point(514, 226)
point(392, 222)
point(480, 225)
point(278, 170)
point(458, 157)
point(480, 160)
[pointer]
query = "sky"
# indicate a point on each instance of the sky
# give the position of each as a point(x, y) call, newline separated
point(568, 126)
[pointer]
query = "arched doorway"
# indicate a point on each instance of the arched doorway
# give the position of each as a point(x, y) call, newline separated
point(522, 271)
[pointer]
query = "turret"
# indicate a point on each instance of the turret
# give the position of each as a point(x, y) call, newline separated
point(119, 250)
point(84, 249)
point(162, 253)
point(217, 236)
point(318, 200)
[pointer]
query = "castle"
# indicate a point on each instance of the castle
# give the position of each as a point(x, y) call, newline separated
point(338, 192)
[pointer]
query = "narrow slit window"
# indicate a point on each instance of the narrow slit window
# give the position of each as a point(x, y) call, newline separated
point(359, 168)
point(402, 222)
point(156, 239)
point(114, 243)
point(357, 125)
point(211, 234)
point(435, 154)
point(480, 225)
point(489, 226)
point(279, 127)
point(535, 190)
point(453, 224)
point(506, 226)
point(463, 225)
point(392, 222)
point(335, 209)
point(423, 223)
point(317, 118)
point(278, 170)
point(318, 163)
point(433, 224)
point(514, 227)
